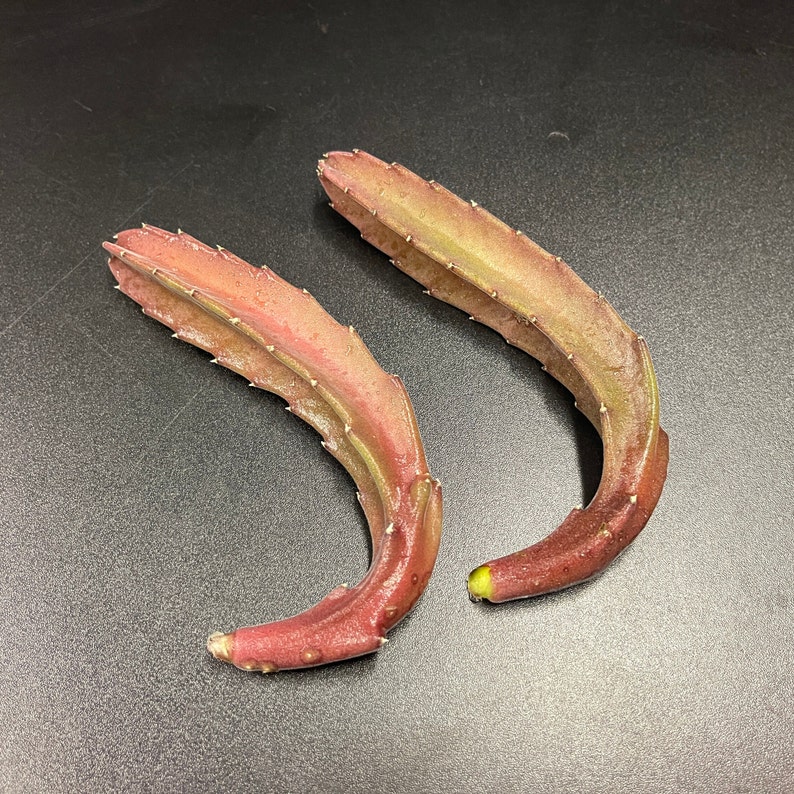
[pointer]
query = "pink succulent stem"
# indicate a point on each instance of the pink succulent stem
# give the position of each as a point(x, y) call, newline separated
point(282, 340)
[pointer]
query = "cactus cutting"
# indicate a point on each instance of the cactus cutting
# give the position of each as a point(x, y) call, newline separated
point(281, 340)
point(465, 256)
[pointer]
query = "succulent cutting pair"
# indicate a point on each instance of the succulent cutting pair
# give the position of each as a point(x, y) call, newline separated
point(279, 337)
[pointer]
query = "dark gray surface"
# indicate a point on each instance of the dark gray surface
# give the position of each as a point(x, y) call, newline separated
point(149, 498)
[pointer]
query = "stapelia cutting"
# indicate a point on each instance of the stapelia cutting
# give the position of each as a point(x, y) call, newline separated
point(465, 256)
point(281, 339)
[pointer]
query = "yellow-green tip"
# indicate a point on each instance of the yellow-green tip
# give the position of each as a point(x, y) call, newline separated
point(480, 585)
point(220, 646)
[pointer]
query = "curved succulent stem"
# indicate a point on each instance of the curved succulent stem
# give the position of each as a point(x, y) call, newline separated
point(467, 257)
point(281, 339)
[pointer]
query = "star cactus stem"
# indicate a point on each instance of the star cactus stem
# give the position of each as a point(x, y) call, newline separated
point(467, 257)
point(281, 339)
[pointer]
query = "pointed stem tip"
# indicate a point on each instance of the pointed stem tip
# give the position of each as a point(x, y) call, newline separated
point(220, 646)
point(480, 586)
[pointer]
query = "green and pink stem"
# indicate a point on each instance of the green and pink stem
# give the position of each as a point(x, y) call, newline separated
point(467, 257)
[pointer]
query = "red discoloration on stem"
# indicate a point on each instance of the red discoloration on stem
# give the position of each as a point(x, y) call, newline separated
point(467, 257)
point(282, 340)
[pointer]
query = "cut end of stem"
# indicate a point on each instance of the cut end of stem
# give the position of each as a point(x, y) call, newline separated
point(480, 586)
point(220, 646)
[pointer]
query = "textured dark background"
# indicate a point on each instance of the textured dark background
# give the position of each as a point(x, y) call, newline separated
point(149, 498)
